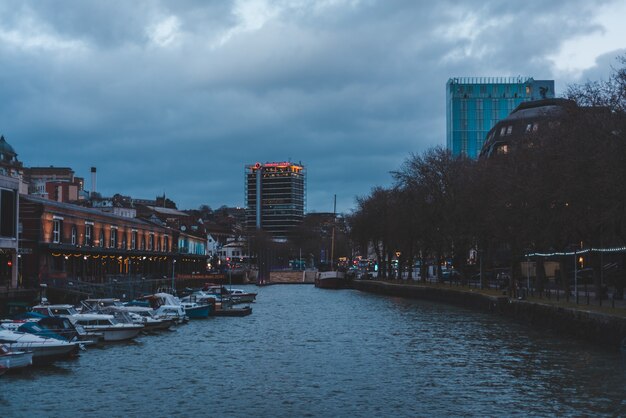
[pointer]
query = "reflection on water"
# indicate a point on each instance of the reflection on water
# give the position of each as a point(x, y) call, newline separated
point(315, 352)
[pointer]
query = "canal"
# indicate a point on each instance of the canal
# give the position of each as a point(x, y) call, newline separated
point(313, 352)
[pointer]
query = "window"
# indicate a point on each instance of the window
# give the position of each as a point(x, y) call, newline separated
point(73, 235)
point(503, 131)
point(166, 243)
point(113, 238)
point(88, 234)
point(151, 242)
point(502, 149)
point(133, 240)
point(124, 240)
point(56, 230)
point(535, 127)
point(101, 243)
point(8, 218)
point(529, 127)
point(509, 130)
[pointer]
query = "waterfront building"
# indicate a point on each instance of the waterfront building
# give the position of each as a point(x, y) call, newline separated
point(10, 181)
point(275, 197)
point(475, 104)
point(62, 241)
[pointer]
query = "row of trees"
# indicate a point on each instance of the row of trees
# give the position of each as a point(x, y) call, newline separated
point(557, 190)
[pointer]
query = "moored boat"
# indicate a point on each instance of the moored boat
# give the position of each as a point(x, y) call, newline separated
point(331, 280)
point(45, 350)
point(232, 311)
point(111, 329)
point(195, 310)
point(10, 359)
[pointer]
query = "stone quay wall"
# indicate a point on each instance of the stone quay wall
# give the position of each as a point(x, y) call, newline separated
point(605, 330)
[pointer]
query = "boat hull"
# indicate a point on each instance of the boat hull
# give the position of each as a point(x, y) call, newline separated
point(332, 280)
point(233, 311)
point(198, 312)
point(16, 360)
point(117, 334)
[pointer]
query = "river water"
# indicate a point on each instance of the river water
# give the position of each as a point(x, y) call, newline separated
point(314, 352)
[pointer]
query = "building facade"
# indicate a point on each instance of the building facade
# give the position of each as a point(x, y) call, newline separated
point(55, 183)
point(62, 241)
point(475, 104)
point(275, 197)
point(10, 184)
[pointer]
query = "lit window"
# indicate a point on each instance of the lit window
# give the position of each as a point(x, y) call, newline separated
point(56, 231)
point(113, 238)
point(502, 149)
point(509, 130)
point(88, 233)
point(503, 131)
point(529, 127)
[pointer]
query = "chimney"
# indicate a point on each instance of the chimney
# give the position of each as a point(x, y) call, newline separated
point(93, 180)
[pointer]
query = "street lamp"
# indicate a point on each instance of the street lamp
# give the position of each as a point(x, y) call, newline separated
point(576, 275)
point(173, 270)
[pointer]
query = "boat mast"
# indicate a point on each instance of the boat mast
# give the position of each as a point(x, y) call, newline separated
point(332, 239)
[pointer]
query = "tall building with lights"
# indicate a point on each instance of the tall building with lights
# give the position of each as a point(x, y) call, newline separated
point(275, 197)
point(475, 104)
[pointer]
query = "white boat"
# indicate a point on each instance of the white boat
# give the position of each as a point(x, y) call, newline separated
point(14, 359)
point(111, 329)
point(167, 306)
point(221, 293)
point(241, 296)
point(140, 315)
point(68, 311)
point(45, 350)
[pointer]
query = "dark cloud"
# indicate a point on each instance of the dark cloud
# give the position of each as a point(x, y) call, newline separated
point(177, 97)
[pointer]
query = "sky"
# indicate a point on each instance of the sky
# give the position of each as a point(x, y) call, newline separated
point(177, 97)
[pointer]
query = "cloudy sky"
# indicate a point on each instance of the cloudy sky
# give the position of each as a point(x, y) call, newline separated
point(177, 96)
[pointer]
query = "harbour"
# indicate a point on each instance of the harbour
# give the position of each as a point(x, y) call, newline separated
point(315, 352)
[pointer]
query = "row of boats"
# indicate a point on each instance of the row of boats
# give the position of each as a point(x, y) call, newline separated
point(48, 332)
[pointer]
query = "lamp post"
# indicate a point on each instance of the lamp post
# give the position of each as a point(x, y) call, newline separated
point(576, 275)
point(173, 270)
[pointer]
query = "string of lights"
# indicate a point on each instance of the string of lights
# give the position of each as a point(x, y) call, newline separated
point(577, 252)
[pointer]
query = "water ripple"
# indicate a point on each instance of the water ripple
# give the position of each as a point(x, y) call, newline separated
point(318, 353)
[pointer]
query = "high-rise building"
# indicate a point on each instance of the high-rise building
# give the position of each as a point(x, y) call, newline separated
point(275, 197)
point(475, 104)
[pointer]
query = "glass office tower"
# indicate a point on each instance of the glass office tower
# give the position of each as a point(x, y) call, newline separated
point(475, 104)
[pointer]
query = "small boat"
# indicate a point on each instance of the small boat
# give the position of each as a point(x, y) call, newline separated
point(234, 295)
point(146, 316)
point(165, 305)
point(45, 350)
point(195, 310)
point(108, 325)
point(241, 296)
point(232, 311)
point(331, 280)
point(50, 326)
point(14, 359)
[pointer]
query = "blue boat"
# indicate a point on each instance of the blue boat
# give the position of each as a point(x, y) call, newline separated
point(195, 310)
